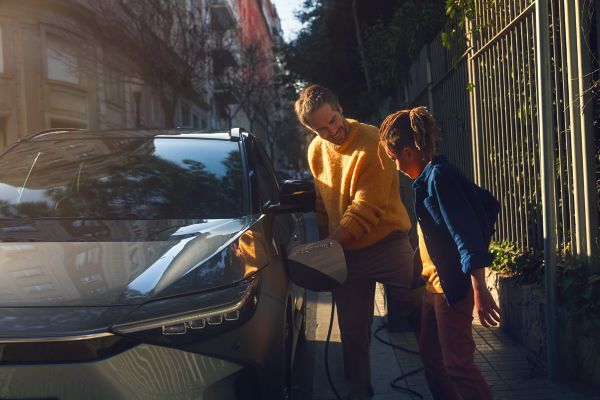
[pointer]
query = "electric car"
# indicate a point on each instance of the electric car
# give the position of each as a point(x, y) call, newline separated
point(147, 265)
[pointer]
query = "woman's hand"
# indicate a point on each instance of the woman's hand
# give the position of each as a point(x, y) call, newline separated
point(487, 309)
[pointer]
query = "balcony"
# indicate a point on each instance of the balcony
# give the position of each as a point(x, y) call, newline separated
point(223, 14)
point(223, 91)
point(222, 59)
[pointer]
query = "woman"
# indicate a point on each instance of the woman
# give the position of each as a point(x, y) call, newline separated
point(454, 232)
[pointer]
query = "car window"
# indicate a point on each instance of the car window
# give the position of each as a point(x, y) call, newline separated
point(265, 178)
point(122, 178)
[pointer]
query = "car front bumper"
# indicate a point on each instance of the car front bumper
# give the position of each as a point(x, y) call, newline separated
point(141, 372)
point(239, 364)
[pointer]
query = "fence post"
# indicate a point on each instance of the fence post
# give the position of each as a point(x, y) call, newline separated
point(581, 129)
point(547, 178)
point(473, 104)
point(429, 78)
point(575, 127)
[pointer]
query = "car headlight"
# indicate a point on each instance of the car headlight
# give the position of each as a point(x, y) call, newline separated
point(193, 315)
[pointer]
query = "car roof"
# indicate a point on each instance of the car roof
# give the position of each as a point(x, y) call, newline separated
point(62, 134)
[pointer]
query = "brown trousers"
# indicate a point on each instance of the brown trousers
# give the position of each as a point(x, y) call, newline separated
point(446, 346)
point(388, 261)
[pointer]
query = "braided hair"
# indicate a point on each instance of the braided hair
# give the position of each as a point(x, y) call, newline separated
point(413, 127)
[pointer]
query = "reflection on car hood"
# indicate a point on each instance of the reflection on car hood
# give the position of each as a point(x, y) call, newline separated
point(127, 263)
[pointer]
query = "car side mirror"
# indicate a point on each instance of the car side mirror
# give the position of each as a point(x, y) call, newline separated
point(294, 196)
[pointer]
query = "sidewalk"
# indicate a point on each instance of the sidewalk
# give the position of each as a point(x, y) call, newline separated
point(507, 366)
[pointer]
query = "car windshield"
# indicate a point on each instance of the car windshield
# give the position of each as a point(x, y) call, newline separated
point(122, 178)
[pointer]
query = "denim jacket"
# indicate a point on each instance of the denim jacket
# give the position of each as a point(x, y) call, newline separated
point(454, 224)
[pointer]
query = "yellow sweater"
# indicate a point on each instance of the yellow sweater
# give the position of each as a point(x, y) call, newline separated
point(357, 186)
point(429, 274)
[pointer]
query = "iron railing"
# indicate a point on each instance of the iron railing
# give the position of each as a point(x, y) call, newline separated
point(516, 114)
point(483, 92)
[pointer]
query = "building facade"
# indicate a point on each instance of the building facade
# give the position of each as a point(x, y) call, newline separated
point(260, 39)
point(53, 76)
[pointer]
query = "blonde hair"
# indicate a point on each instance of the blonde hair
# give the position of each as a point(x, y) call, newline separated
point(311, 99)
point(414, 127)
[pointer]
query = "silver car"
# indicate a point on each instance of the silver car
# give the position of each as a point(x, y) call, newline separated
point(146, 265)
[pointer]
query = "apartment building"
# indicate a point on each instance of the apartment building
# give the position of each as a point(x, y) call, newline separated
point(54, 74)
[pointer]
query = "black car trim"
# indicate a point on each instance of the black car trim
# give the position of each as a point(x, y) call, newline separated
point(91, 336)
point(246, 187)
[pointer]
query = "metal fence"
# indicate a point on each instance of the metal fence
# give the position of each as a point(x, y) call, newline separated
point(507, 152)
point(516, 112)
point(485, 94)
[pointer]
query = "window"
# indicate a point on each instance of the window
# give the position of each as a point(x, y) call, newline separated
point(27, 273)
point(117, 178)
point(185, 115)
point(42, 287)
point(87, 258)
point(1, 52)
point(114, 85)
point(3, 131)
point(91, 278)
point(264, 176)
point(137, 108)
point(61, 60)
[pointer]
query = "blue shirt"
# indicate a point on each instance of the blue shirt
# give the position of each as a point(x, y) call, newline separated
point(455, 225)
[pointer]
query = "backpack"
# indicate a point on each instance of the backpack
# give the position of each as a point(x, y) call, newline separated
point(491, 207)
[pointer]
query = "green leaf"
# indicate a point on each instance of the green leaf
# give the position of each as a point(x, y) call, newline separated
point(446, 41)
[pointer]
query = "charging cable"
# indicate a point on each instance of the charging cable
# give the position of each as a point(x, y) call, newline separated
point(394, 384)
point(327, 351)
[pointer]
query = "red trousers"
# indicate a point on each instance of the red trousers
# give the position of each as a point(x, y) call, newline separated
point(446, 346)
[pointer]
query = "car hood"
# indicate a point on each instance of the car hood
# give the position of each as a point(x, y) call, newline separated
point(114, 263)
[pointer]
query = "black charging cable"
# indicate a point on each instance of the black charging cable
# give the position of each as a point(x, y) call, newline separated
point(395, 383)
point(327, 350)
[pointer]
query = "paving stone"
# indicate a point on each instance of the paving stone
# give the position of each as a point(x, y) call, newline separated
point(503, 362)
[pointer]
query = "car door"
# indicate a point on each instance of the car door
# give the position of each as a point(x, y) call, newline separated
point(287, 229)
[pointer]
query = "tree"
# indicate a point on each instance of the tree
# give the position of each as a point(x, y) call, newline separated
point(168, 45)
point(252, 83)
point(329, 50)
point(265, 97)
point(361, 47)
point(392, 46)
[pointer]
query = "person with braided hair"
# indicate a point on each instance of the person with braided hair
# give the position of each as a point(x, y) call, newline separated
point(454, 231)
point(359, 205)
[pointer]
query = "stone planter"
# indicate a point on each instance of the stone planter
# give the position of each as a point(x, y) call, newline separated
point(579, 347)
point(522, 307)
point(523, 317)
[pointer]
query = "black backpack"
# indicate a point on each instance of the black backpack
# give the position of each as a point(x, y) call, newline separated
point(491, 206)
